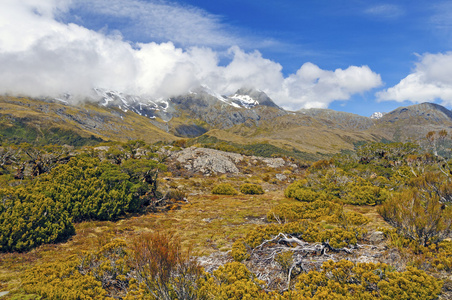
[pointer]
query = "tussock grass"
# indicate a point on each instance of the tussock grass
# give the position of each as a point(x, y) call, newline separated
point(206, 224)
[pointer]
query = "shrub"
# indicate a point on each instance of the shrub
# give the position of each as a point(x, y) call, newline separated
point(61, 280)
point(364, 194)
point(346, 280)
point(224, 189)
point(299, 191)
point(251, 189)
point(292, 212)
point(28, 220)
point(163, 269)
point(232, 281)
point(305, 230)
point(418, 216)
point(239, 252)
point(89, 189)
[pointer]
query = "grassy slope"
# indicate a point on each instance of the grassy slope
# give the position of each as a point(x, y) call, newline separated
point(306, 135)
point(209, 223)
point(85, 120)
point(50, 121)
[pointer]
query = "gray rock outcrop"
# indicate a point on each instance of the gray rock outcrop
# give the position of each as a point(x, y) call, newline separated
point(210, 161)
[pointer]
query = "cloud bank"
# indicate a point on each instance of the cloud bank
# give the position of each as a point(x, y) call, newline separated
point(42, 56)
point(430, 80)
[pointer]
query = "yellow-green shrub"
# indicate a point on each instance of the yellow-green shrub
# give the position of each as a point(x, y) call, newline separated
point(299, 191)
point(251, 189)
point(291, 212)
point(224, 189)
point(346, 280)
point(28, 220)
point(328, 211)
point(232, 281)
point(305, 230)
point(364, 194)
point(442, 257)
point(239, 251)
point(62, 280)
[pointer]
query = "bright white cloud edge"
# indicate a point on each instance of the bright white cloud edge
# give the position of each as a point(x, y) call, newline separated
point(43, 57)
point(431, 80)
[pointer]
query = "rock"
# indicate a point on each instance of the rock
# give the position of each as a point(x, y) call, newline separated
point(281, 177)
point(376, 237)
point(274, 162)
point(210, 161)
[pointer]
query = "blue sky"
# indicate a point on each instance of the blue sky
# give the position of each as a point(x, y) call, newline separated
point(355, 56)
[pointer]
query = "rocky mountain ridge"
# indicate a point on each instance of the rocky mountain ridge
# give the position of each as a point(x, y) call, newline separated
point(248, 117)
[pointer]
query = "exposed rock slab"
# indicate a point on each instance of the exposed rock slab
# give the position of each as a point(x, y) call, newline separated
point(210, 161)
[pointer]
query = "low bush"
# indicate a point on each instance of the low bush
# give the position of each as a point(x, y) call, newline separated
point(251, 189)
point(418, 216)
point(61, 280)
point(224, 189)
point(346, 280)
point(232, 281)
point(28, 220)
point(305, 230)
point(239, 252)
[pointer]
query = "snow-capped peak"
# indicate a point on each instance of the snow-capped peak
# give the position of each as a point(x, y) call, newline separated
point(243, 101)
point(142, 105)
point(377, 115)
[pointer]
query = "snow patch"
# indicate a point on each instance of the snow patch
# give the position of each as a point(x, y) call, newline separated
point(377, 115)
point(244, 101)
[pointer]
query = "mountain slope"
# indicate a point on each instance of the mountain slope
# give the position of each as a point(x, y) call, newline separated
point(244, 118)
point(340, 120)
point(85, 121)
point(414, 122)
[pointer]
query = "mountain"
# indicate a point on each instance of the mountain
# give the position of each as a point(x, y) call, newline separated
point(340, 120)
point(414, 122)
point(425, 113)
point(44, 121)
point(247, 117)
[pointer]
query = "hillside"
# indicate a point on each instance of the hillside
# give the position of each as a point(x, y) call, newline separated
point(247, 118)
point(414, 122)
point(49, 121)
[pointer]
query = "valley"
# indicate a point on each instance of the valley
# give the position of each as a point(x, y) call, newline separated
point(100, 202)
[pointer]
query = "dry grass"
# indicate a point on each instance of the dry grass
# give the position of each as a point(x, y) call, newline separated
point(376, 221)
point(206, 224)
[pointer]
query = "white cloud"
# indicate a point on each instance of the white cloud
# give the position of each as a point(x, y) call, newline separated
point(41, 56)
point(314, 87)
point(430, 80)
